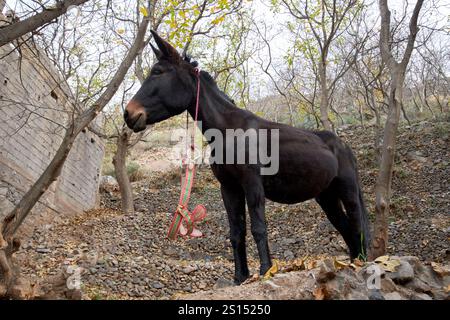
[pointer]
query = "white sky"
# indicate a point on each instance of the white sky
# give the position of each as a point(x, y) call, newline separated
point(280, 43)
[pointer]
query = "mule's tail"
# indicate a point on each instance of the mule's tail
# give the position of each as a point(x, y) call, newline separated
point(346, 157)
point(365, 224)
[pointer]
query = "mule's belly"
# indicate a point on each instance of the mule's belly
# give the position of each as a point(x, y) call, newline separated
point(293, 188)
point(304, 167)
point(300, 179)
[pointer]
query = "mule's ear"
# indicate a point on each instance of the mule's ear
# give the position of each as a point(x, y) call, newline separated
point(167, 51)
point(158, 53)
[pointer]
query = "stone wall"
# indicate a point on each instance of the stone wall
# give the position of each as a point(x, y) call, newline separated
point(35, 107)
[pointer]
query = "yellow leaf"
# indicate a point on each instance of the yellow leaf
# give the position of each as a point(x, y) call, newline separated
point(218, 20)
point(382, 259)
point(387, 263)
point(120, 31)
point(340, 264)
point(299, 264)
point(440, 270)
point(391, 265)
point(272, 271)
point(311, 264)
point(294, 265)
point(144, 11)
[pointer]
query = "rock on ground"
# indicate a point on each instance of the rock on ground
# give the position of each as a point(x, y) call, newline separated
point(333, 281)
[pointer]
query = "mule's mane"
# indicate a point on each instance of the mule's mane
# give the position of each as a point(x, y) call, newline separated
point(188, 59)
point(206, 77)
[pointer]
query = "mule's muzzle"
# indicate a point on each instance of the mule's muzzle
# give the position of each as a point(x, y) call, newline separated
point(135, 116)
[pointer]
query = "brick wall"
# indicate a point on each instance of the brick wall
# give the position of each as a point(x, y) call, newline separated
point(35, 106)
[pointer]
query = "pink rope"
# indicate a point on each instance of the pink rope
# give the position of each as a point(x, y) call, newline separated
point(199, 212)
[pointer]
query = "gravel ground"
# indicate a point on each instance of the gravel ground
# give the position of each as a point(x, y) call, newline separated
point(128, 256)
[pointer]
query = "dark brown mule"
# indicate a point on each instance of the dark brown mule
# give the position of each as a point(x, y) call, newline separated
point(312, 164)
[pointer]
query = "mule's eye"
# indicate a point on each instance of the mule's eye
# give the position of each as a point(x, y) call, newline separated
point(156, 71)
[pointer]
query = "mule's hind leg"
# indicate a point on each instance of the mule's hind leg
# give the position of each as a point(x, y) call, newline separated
point(254, 194)
point(330, 203)
point(234, 199)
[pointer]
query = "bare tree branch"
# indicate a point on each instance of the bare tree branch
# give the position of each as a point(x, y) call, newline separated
point(19, 28)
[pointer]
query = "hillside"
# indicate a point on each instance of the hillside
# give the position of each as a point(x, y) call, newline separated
point(128, 256)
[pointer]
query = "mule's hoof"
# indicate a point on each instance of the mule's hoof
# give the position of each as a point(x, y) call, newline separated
point(264, 268)
point(241, 279)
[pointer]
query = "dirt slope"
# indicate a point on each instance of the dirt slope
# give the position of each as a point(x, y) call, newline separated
point(128, 256)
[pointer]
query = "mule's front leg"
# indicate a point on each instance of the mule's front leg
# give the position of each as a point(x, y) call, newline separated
point(254, 194)
point(234, 200)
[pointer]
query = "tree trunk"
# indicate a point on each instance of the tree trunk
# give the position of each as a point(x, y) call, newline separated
point(119, 161)
point(9, 244)
point(378, 130)
point(8, 274)
point(361, 116)
point(378, 134)
point(324, 97)
point(425, 99)
point(291, 115)
point(397, 74)
point(384, 180)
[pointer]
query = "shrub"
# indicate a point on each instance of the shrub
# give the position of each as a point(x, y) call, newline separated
point(135, 172)
point(132, 170)
point(108, 167)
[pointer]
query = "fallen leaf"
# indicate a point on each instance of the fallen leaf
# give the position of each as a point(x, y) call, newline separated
point(387, 263)
point(340, 264)
point(440, 270)
point(272, 271)
point(382, 259)
point(311, 264)
point(298, 264)
point(294, 265)
point(391, 265)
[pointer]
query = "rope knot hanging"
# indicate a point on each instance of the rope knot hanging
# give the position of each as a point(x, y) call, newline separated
point(182, 213)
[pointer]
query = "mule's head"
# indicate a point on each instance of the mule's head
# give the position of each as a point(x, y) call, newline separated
point(168, 90)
